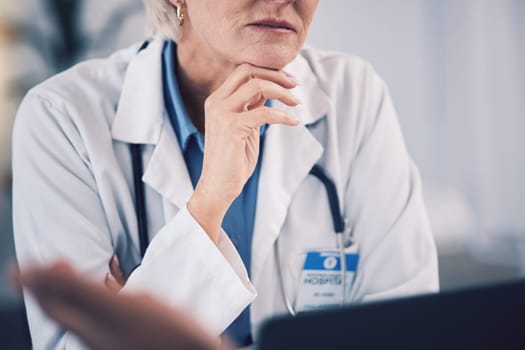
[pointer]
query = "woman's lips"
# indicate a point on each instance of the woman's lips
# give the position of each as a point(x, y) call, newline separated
point(272, 25)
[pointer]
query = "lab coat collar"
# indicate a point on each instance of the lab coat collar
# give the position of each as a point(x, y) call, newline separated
point(141, 118)
point(140, 111)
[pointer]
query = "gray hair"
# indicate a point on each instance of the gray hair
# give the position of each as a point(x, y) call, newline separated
point(161, 19)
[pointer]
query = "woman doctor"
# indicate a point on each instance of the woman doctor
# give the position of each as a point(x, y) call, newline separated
point(229, 114)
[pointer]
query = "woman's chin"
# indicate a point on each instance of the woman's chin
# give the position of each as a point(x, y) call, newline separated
point(270, 60)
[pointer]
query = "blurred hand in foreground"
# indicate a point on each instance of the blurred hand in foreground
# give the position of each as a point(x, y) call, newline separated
point(106, 320)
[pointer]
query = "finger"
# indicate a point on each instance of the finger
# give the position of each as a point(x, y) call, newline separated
point(114, 268)
point(61, 281)
point(257, 90)
point(266, 115)
point(46, 279)
point(111, 283)
point(261, 103)
point(104, 320)
point(246, 72)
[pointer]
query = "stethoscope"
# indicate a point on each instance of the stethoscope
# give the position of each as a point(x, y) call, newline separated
point(341, 228)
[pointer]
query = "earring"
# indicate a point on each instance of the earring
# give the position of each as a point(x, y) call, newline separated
point(179, 7)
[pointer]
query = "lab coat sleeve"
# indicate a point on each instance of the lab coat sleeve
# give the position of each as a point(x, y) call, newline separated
point(213, 285)
point(58, 214)
point(385, 205)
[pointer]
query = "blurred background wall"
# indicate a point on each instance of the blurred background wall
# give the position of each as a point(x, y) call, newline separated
point(39, 38)
point(455, 70)
point(457, 75)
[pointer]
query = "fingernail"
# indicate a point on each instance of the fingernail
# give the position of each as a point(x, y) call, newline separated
point(115, 260)
point(292, 78)
point(297, 100)
point(293, 120)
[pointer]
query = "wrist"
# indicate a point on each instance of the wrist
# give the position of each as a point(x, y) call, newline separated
point(209, 211)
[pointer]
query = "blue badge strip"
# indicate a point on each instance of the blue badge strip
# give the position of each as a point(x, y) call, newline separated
point(316, 261)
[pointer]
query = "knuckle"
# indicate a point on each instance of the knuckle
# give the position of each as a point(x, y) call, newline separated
point(246, 69)
point(209, 102)
point(257, 84)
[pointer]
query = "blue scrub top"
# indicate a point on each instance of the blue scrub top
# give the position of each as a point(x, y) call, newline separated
point(239, 219)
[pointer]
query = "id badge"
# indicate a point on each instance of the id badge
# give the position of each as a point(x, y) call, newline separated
point(321, 281)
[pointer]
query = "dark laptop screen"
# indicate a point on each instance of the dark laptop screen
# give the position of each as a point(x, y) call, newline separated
point(478, 318)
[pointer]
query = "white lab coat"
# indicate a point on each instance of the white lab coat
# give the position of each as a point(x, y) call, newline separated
point(73, 190)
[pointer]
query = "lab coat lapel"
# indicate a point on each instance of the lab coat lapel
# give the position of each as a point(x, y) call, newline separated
point(288, 156)
point(141, 119)
point(167, 173)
